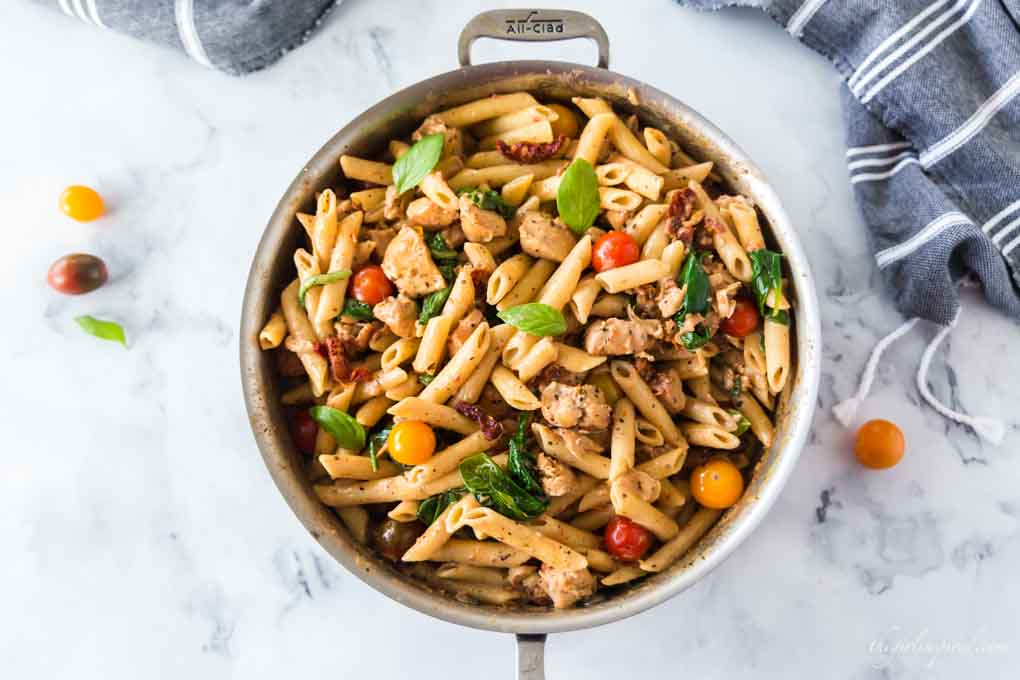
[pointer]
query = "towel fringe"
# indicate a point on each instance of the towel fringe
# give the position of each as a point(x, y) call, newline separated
point(846, 411)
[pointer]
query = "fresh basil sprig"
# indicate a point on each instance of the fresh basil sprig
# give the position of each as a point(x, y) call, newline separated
point(348, 432)
point(767, 277)
point(433, 304)
point(321, 280)
point(535, 318)
point(696, 299)
point(496, 489)
point(489, 200)
point(434, 506)
point(104, 330)
point(362, 311)
point(418, 161)
point(743, 424)
point(520, 461)
point(577, 198)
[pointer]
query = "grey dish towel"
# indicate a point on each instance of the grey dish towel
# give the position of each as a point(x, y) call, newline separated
point(235, 36)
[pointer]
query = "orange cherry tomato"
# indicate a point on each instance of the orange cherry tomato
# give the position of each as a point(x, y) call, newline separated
point(717, 484)
point(626, 540)
point(370, 285)
point(880, 444)
point(411, 442)
point(743, 320)
point(614, 249)
point(81, 203)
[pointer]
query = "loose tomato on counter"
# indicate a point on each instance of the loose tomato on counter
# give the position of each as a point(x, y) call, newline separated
point(626, 540)
point(76, 274)
point(879, 445)
point(370, 285)
point(743, 321)
point(303, 430)
point(411, 442)
point(615, 249)
point(717, 484)
point(81, 203)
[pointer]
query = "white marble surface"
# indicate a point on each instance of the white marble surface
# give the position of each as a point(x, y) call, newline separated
point(142, 536)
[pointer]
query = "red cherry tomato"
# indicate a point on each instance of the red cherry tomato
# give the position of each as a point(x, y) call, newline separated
point(626, 540)
point(370, 285)
point(614, 249)
point(303, 429)
point(743, 320)
point(76, 274)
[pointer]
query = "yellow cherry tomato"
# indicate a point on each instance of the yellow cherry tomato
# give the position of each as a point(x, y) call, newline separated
point(411, 442)
point(717, 484)
point(81, 203)
point(879, 444)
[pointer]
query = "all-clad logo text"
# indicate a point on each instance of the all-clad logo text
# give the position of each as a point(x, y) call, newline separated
point(533, 24)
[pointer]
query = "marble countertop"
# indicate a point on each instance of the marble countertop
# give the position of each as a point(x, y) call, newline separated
point(142, 535)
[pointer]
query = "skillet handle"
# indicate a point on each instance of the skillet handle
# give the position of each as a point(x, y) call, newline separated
point(531, 656)
point(533, 25)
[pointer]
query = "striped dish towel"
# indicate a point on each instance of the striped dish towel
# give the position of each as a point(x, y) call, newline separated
point(932, 107)
point(235, 36)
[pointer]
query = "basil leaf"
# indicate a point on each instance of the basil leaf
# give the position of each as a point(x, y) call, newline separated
point(743, 424)
point(321, 280)
point(104, 330)
point(696, 338)
point(434, 506)
point(447, 269)
point(490, 200)
point(535, 318)
point(433, 304)
point(577, 198)
point(521, 462)
point(375, 442)
point(426, 378)
point(361, 311)
point(439, 248)
point(418, 161)
point(348, 433)
point(698, 293)
point(495, 489)
point(767, 277)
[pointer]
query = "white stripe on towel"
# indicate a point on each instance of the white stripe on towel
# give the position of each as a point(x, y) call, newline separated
point(79, 11)
point(1005, 231)
point(879, 162)
point(875, 148)
point(1008, 248)
point(94, 13)
point(875, 176)
point(931, 230)
point(800, 18)
point(184, 12)
point(892, 39)
point(1000, 216)
point(66, 8)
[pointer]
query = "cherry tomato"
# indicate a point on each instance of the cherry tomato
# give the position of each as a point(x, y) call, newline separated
point(303, 430)
point(76, 274)
point(743, 320)
point(393, 538)
point(626, 540)
point(880, 444)
point(411, 442)
point(717, 484)
point(81, 203)
point(614, 249)
point(370, 285)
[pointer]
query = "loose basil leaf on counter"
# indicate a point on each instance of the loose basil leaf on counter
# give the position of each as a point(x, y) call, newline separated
point(433, 304)
point(348, 432)
point(490, 200)
point(321, 280)
point(356, 309)
point(743, 424)
point(375, 442)
point(520, 461)
point(535, 318)
point(104, 330)
point(495, 489)
point(417, 162)
point(577, 198)
point(434, 506)
point(767, 277)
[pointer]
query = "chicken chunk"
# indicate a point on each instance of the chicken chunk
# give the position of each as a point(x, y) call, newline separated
point(609, 337)
point(480, 226)
point(355, 336)
point(579, 444)
point(565, 586)
point(557, 478)
point(666, 385)
point(580, 406)
point(463, 330)
point(541, 238)
point(670, 299)
point(426, 213)
point(399, 313)
point(453, 138)
point(409, 264)
point(381, 238)
point(395, 205)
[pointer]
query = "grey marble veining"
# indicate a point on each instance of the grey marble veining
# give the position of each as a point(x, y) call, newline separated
point(142, 535)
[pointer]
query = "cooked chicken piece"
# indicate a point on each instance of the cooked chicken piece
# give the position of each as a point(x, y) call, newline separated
point(689, 324)
point(555, 373)
point(580, 406)
point(541, 238)
point(557, 478)
point(395, 206)
point(409, 264)
point(725, 299)
point(531, 586)
point(667, 386)
point(423, 211)
point(453, 138)
point(453, 235)
point(578, 443)
point(362, 253)
point(399, 313)
point(608, 337)
point(381, 237)
point(671, 297)
point(480, 226)
point(565, 587)
point(463, 330)
point(355, 336)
